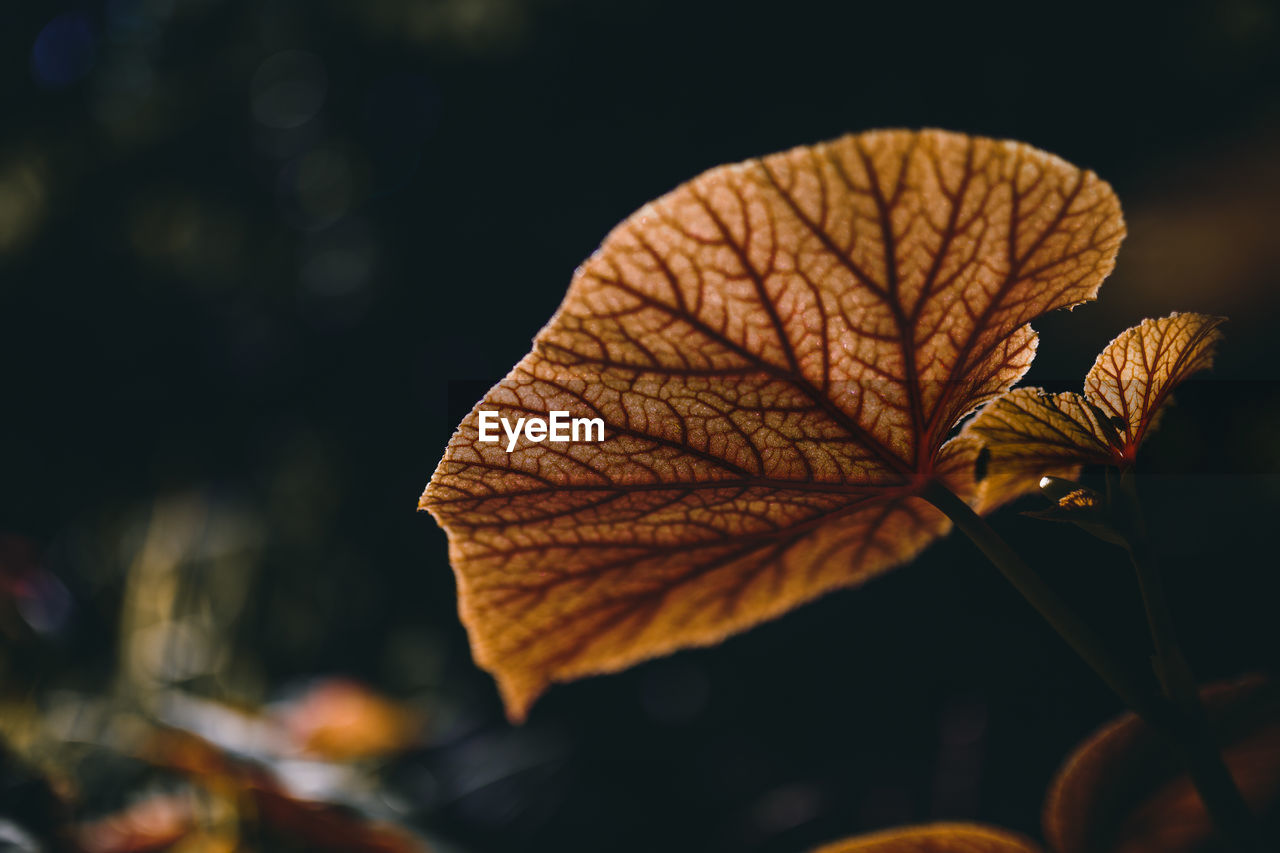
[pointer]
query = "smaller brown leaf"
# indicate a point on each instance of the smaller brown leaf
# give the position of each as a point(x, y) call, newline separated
point(1123, 790)
point(935, 838)
point(1078, 505)
point(1029, 432)
point(1132, 378)
point(1079, 500)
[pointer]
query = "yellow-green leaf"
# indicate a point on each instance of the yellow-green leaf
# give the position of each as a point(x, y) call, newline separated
point(1028, 433)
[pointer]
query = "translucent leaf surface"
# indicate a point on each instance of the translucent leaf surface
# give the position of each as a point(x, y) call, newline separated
point(1028, 432)
point(778, 350)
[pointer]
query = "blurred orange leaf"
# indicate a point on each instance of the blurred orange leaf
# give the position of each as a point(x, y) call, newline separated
point(1028, 432)
point(321, 826)
point(342, 720)
point(192, 755)
point(935, 838)
point(778, 350)
point(1123, 790)
point(155, 823)
point(265, 803)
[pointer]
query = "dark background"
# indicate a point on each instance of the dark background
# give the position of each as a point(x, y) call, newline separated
point(260, 258)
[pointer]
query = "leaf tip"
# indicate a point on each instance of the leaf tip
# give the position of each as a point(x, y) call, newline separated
point(518, 695)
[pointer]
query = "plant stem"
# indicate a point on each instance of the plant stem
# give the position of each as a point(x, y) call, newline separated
point(1212, 779)
point(1185, 726)
point(1039, 595)
point(1171, 667)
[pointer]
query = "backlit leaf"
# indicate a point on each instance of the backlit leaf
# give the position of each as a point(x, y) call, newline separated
point(778, 350)
point(935, 838)
point(1029, 433)
point(1123, 790)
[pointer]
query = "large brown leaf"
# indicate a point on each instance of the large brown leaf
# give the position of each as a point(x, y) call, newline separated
point(1028, 432)
point(935, 838)
point(1123, 790)
point(779, 349)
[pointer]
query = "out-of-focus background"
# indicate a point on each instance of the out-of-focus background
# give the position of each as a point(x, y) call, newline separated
point(258, 258)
